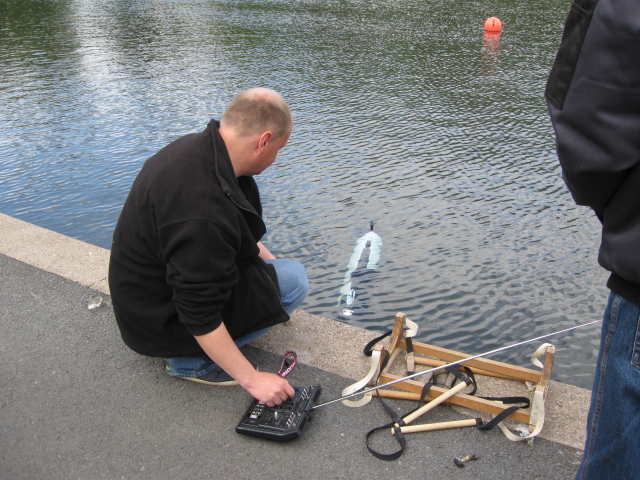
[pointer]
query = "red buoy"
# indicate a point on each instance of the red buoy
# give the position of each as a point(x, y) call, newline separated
point(493, 24)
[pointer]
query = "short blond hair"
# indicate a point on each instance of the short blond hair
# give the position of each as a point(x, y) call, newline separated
point(256, 110)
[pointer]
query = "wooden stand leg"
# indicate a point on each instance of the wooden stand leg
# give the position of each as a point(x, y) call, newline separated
point(429, 427)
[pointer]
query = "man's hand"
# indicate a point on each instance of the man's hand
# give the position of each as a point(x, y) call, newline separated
point(268, 388)
point(265, 254)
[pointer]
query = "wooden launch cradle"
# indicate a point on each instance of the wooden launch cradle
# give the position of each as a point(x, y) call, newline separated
point(536, 380)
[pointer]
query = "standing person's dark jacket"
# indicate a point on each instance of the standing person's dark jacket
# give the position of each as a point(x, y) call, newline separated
point(598, 141)
point(184, 257)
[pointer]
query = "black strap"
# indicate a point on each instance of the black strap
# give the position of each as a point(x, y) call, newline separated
point(402, 441)
point(469, 379)
point(523, 402)
point(369, 346)
point(396, 423)
point(409, 344)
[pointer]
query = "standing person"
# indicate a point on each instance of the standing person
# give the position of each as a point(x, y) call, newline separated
point(190, 280)
point(593, 93)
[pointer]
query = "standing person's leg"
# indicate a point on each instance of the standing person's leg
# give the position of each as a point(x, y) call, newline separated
point(612, 448)
point(294, 286)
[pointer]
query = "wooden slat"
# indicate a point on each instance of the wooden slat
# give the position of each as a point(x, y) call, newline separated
point(520, 373)
point(478, 371)
point(430, 427)
point(397, 336)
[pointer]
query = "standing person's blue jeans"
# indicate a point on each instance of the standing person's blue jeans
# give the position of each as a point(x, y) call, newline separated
point(612, 450)
point(294, 286)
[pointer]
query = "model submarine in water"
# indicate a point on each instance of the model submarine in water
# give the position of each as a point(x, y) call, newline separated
point(372, 240)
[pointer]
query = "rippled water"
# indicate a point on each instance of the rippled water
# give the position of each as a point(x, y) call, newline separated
point(406, 115)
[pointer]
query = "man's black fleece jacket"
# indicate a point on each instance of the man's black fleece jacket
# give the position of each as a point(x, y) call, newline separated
point(184, 257)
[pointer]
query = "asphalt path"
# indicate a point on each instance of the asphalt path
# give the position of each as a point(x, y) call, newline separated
point(76, 403)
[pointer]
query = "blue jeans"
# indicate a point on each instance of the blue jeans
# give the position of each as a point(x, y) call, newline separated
point(294, 286)
point(612, 450)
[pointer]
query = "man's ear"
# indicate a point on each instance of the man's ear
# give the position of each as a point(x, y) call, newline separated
point(264, 139)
